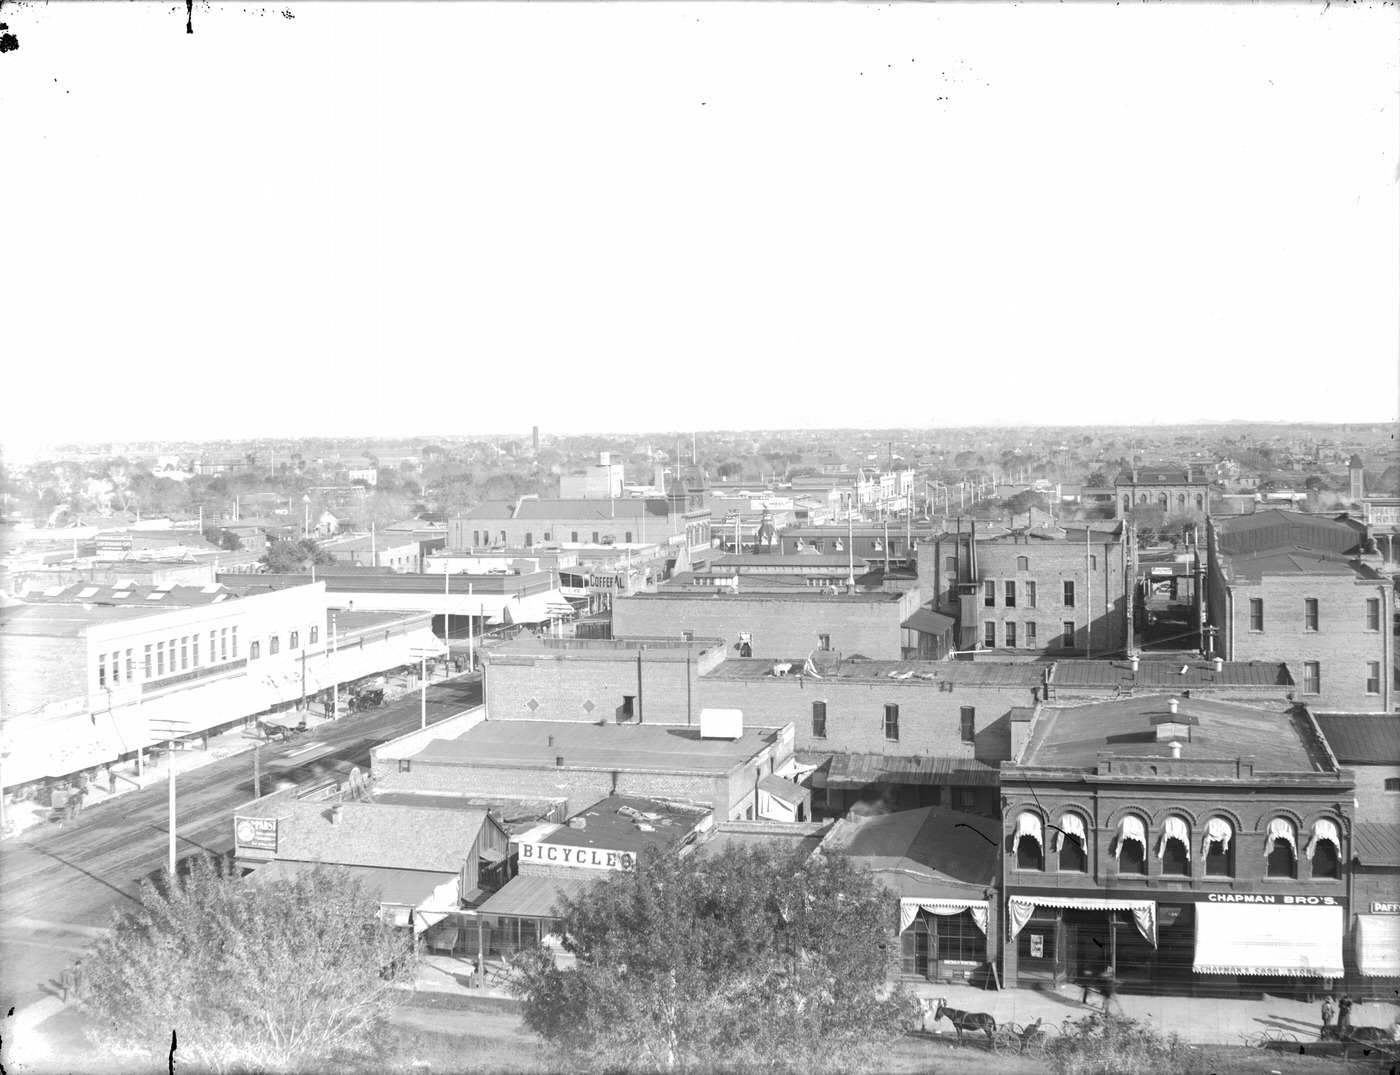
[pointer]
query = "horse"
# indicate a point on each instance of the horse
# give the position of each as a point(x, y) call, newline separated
point(966, 1021)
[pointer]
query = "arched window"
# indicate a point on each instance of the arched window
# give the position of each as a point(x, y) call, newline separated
point(1127, 502)
point(273, 644)
point(254, 651)
point(1023, 563)
point(1181, 502)
point(1281, 848)
point(1072, 841)
point(1325, 849)
point(1174, 847)
point(1029, 843)
point(1131, 845)
point(1200, 502)
point(1216, 849)
point(1162, 501)
point(1142, 498)
point(315, 634)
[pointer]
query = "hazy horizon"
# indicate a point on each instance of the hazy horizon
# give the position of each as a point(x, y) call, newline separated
point(405, 217)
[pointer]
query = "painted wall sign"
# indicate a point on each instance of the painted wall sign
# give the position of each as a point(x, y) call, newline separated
point(594, 858)
point(257, 832)
point(1385, 908)
point(1252, 897)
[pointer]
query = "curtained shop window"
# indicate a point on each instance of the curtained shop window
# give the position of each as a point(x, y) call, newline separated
point(1280, 847)
point(1217, 849)
point(959, 938)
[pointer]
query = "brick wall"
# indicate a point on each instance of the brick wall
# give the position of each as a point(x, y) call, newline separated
point(929, 718)
point(779, 627)
point(1342, 646)
point(561, 685)
point(1377, 804)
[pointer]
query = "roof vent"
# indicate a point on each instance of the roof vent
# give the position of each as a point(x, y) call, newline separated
point(578, 822)
point(336, 812)
point(1132, 662)
point(1173, 705)
point(1176, 748)
point(1218, 664)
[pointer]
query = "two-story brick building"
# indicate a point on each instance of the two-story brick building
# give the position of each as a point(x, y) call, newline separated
point(1032, 592)
point(1369, 745)
point(1172, 490)
point(1326, 613)
point(1190, 845)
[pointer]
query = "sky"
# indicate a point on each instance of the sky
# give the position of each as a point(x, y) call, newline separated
point(459, 218)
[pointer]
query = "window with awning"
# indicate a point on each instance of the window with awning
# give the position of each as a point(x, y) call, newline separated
point(1020, 908)
point(1071, 825)
point(1269, 939)
point(1378, 945)
point(1324, 830)
point(1280, 829)
point(1174, 828)
point(1028, 826)
point(910, 907)
point(1218, 831)
point(1281, 848)
point(1131, 829)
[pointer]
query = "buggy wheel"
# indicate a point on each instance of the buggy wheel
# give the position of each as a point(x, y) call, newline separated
point(1007, 1042)
point(1037, 1044)
point(1255, 1040)
point(1289, 1038)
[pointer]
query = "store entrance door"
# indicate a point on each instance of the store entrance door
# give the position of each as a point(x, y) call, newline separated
point(1090, 946)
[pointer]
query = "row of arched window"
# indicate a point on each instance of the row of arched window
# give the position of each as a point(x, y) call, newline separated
point(1164, 502)
point(1131, 843)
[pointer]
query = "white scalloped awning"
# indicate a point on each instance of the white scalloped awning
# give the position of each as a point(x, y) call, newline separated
point(1323, 829)
point(1071, 825)
point(1174, 828)
point(1268, 939)
point(1280, 828)
point(909, 908)
point(1132, 828)
point(1027, 824)
point(1218, 831)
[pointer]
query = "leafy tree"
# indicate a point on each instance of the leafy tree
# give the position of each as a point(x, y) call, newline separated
point(285, 557)
point(1022, 502)
point(745, 959)
point(1098, 478)
point(1147, 520)
point(284, 976)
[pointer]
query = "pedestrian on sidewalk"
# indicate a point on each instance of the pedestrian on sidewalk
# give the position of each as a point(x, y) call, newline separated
point(111, 781)
point(80, 981)
point(1329, 1012)
point(1089, 982)
point(1344, 1015)
point(1110, 991)
point(67, 981)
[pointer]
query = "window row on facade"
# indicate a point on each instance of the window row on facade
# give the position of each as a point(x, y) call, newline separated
point(1068, 848)
point(1025, 593)
point(184, 653)
point(1312, 677)
point(1311, 618)
point(1025, 634)
point(967, 722)
point(1164, 501)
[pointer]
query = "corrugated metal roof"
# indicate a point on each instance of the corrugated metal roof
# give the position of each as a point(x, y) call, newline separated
point(530, 895)
point(1362, 738)
point(1275, 528)
point(862, 770)
point(1157, 673)
point(407, 888)
point(1295, 560)
point(928, 622)
point(1376, 843)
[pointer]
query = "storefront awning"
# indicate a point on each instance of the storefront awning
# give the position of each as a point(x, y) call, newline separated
point(1271, 939)
point(1020, 908)
point(1378, 945)
point(401, 888)
point(909, 909)
point(533, 895)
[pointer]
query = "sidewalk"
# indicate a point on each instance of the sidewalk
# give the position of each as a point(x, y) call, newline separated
point(190, 755)
point(1198, 1020)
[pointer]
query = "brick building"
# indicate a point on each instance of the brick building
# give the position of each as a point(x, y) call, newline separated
point(1032, 592)
point(1369, 745)
point(1175, 491)
point(1322, 610)
point(585, 762)
point(635, 680)
point(776, 624)
point(532, 520)
point(1191, 845)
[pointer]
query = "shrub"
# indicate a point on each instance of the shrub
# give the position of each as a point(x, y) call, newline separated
point(1096, 1045)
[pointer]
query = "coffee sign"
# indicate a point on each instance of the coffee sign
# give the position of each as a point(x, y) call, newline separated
point(593, 858)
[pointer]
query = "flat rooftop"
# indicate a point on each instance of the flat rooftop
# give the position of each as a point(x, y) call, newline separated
point(1296, 560)
point(1181, 673)
point(967, 673)
point(608, 828)
point(1073, 737)
point(806, 593)
point(635, 747)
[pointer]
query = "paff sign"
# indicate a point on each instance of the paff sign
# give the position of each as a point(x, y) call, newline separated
point(590, 858)
point(256, 832)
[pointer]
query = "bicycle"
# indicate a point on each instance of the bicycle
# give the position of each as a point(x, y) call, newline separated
point(1263, 1039)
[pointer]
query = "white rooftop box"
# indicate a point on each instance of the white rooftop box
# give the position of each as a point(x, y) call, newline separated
point(721, 723)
